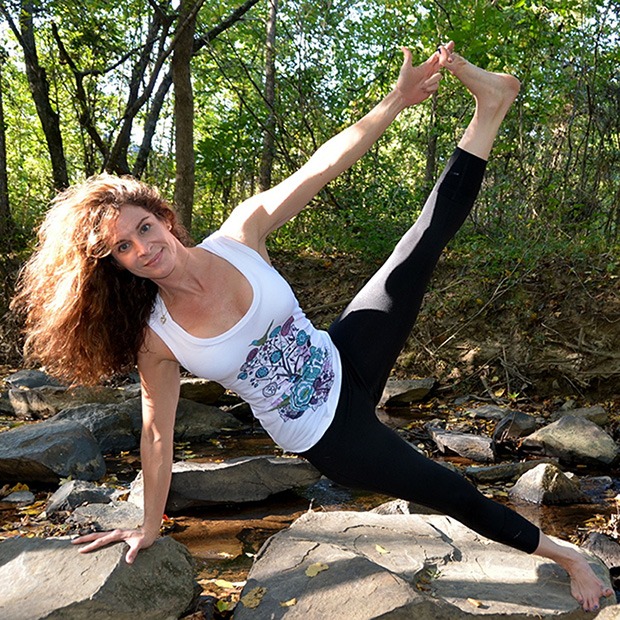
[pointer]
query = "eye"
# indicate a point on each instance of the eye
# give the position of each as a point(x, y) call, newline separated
point(122, 247)
point(145, 228)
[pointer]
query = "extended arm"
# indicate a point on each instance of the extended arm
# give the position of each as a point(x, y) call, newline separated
point(253, 220)
point(159, 374)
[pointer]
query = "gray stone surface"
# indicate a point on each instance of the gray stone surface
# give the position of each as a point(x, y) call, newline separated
point(488, 412)
point(75, 493)
point(548, 485)
point(514, 426)
point(502, 472)
point(47, 451)
point(19, 497)
point(478, 448)
point(198, 422)
point(30, 379)
point(116, 427)
point(605, 548)
point(103, 517)
point(574, 440)
point(402, 567)
point(47, 399)
point(596, 414)
point(49, 578)
point(401, 393)
point(246, 479)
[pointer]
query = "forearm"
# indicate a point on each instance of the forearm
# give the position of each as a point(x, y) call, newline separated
point(344, 149)
point(156, 454)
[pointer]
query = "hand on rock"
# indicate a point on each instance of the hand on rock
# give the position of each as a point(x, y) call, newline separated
point(136, 539)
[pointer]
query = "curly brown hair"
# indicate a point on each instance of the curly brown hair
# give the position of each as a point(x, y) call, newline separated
point(85, 317)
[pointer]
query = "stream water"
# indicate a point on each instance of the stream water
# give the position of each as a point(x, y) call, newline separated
point(224, 539)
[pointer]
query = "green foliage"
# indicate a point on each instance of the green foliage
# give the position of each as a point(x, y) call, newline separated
point(552, 183)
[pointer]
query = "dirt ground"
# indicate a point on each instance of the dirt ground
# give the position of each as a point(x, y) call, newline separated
point(554, 331)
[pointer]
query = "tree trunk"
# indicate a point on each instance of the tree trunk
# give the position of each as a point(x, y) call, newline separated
point(266, 163)
point(150, 124)
point(39, 88)
point(6, 221)
point(184, 113)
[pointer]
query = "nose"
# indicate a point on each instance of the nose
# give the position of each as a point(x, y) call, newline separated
point(141, 247)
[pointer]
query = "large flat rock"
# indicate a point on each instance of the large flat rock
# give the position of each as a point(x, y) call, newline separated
point(49, 578)
point(427, 567)
point(244, 479)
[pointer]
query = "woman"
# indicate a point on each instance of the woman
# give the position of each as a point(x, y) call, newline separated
point(127, 289)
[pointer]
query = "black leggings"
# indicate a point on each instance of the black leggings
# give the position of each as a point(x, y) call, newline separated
point(359, 451)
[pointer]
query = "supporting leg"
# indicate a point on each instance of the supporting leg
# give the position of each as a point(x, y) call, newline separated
point(586, 587)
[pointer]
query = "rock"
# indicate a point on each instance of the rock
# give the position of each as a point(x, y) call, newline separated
point(596, 414)
point(47, 451)
point(596, 485)
point(403, 507)
point(489, 412)
point(426, 567)
point(604, 548)
point(474, 447)
point(103, 517)
point(401, 393)
point(546, 484)
point(31, 379)
point(6, 409)
point(48, 400)
point(514, 426)
point(49, 578)
point(75, 493)
point(201, 390)
point(500, 473)
point(34, 403)
point(612, 612)
point(574, 440)
point(198, 422)
point(116, 427)
point(246, 479)
point(19, 497)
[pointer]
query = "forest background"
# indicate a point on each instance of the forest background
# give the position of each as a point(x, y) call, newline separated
point(214, 101)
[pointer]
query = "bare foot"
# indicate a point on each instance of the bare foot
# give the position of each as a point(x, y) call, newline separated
point(493, 92)
point(585, 586)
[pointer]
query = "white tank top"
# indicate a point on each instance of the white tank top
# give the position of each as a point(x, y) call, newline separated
point(273, 358)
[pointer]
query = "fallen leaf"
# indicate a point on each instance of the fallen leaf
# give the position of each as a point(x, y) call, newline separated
point(474, 602)
point(222, 583)
point(314, 569)
point(289, 603)
point(19, 487)
point(253, 598)
point(381, 550)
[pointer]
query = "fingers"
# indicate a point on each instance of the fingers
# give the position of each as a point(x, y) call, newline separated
point(97, 540)
point(407, 56)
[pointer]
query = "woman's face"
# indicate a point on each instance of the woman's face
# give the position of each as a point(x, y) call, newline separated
point(143, 244)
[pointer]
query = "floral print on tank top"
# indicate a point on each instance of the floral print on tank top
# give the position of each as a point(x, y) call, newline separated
point(287, 366)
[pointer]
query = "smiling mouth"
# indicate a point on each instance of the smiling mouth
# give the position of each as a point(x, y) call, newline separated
point(154, 259)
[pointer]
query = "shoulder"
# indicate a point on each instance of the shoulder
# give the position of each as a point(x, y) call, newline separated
point(154, 350)
point(245, 225)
